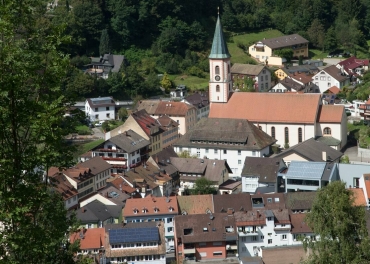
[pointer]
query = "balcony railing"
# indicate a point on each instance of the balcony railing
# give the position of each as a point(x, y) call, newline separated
point(114, 159)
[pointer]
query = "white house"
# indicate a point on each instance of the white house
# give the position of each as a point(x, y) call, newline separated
point(102, 108)
point(330, 76)
point(150, 209)
point(260, 74)
point(200, 101)
point(225, 139)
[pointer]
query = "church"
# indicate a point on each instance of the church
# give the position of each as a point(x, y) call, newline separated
point(290, 118)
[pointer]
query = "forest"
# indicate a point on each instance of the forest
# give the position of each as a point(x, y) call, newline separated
point(172, 36)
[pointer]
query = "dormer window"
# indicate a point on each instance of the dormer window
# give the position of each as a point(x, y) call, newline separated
point(145, 210)
point(170, 208)
point(136, 211)
point(156, 210)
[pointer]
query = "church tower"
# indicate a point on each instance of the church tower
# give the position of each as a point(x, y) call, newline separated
point(220, 81)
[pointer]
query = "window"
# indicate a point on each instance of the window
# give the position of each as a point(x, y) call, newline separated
point(217, 253)
point(299, 134)
point(215, 151)
point(254, 238)
point(203, 254)
point(96, 116)
point(329, 79)
point(239, 152)
point(96, 109)
point(322, 78)
point(286, 134)
point(107, 108)
point(218, 243)
point(262, 237)
point(217, 88)
point(269, 241)
point(169, 229)
point(273, 132)
point(283, 237)
point(108, 115)
point(217, 70)
point(269, 218)
point(239, 162)
point(225, 151)
point(329, 84)
point(262, 77)
point(207, 150)
point(198, 152)
point(327, 131)
point(253, 153)
point(202, 244)
point(317, 78)
point(244, 239)
point(269, 200)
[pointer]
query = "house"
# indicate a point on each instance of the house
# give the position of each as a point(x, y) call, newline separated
point(68, 193)
point(216, 171)
point(122, 186)
point(205, 236)
point(200, 101)
point(225, 139)
point(155, 209)
point(86, 177)
point(330, 76)
point(102, 108)
point(234, 202)
point(148, 179)
point(230, 187)
point(179, 93)
point(135, 243)
point(330, 96)
point(124, 151)
point(278, 114)
point(310, 150)
point(145, 126)
point(353, 175)
point(272, 113)
point(184, 114)
point(287, 85)
point(196, 204)
point(264, 50)
point(261, 173)
point(260, 75)
point(286, 71)
point(366, 111)
point(102, 66)
point(97, 214)
point(354, 66)
point(171, 130)
point(91, 240)
point(307, 176)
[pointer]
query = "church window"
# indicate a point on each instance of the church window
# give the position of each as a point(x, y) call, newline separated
point(217, 70)
point(327, 131)
point(217, 88)
point(273, 132)
point(286, 130)
point(300, 134)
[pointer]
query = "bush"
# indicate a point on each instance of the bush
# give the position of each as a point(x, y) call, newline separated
point(195, 71)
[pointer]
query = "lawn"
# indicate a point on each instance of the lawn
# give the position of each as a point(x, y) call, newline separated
point(237, 54)
point(192, 82)
point(88, 146)
point(317, 54)
point(359, 132)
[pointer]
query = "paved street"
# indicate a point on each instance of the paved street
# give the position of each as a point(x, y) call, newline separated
point(351, 152)
point(98, 133)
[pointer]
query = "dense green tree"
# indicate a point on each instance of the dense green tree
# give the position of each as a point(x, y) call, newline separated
point(203, 186)
point(32, 106)
point(341, 227)
point(166, 83)
point(330, 43)
point(122, 113)
point(104, 45)
point(316, 33)
point(285, 53)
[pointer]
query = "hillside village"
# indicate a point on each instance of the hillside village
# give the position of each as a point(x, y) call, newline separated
point(263, 153)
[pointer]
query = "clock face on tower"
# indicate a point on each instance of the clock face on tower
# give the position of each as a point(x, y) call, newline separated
point(217, 78)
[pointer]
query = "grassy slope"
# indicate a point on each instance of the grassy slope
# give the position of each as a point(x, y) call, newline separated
point(237, 55)
point(86, 147)
point(192, 82)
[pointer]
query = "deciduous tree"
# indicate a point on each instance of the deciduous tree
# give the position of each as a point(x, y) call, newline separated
point(203, 186)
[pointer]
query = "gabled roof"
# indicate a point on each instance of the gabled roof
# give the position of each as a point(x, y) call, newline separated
point(147, 123)
point(198, 99)
point(299, 225)
point(129, 141)
point(333, 90)
point(352, 60)
point(247, 69)
point(205, 227)
point(232, 133)
point(299, 200)
point(163, 161)
point(235, 202)
point(195, 204)
point(269, 107)
point(250, 218)
point(166, 122)
point(97, 211)
point(210, 169)
point(359, 196)
point(291, 84)
point(62, 186)
point(96, 165)
point(77, 173)
point(150, 106)
point(173, 108)
point(101, 102)
point(283, 255)
point(265, 168)
point(311, 150)
point(330, 113)
point(281, 216)
point(119, 183)
point(302, 77)
point(300, 68)
point(219, 48)
point(151, 205)
point(284, 41)
point(334, 72)
point(229, 185)
point(92, 238)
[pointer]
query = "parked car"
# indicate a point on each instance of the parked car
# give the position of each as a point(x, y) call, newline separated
point(170, 249)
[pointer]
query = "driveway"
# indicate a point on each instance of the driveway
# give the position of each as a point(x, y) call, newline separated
point(351, 151)
point(98, 133)
point(333, 61)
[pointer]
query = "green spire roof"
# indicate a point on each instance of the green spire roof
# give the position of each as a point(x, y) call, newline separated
point(219, 48)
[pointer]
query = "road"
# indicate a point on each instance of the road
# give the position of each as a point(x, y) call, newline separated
point(98, 133)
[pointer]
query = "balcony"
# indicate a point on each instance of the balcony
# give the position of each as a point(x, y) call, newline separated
point(189, 251)
point(248, 233)
point(114, 159)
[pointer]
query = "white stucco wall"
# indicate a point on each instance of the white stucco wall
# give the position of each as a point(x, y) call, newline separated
point(225, 81)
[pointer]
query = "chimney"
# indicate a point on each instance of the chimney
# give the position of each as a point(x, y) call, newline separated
point(324, 158)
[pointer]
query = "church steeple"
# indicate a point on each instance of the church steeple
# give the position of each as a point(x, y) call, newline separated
point(219, 48)
point(220, 81)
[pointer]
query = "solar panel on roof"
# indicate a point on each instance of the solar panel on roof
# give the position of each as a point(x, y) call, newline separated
point(128, 235)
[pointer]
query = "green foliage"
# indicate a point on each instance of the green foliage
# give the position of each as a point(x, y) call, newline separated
point(203, 186)
point(105, 126)
point(344, 159)
point(166, 83)
point(186, 154)
point(83, 130)
point(79, 61)
point(284, 53)
point(32, 105)
point(88, 146)
point(122, 113)
point(104, 45)
point(340, 225)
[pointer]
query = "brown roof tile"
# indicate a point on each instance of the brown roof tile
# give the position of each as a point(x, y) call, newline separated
point(299, 225)
point(229, 185)
point(173, 108)
point(336, 73)
point(238, 202)
point(334, 90)
point(120, 183)
point(63, 186)
point(247, 69)
point(250, 218)
point(269, 107)
point(299, 200)
point(284, 41)
point(330, 114)
point(302, 77)
point(281, 216)
point(283, 255)
point(359, 196)
point(92, 238)
point(163, 205)
point(195, 204)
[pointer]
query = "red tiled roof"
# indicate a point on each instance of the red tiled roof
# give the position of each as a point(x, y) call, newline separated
point(119, 182)
point(299, 225)
point(302, 77)
point(63, 186)
point(173, 108)
point(353, 60)
point(367, 184)
point(269, 107)
point(92, 238)
point(334, 90)
point(151, 204)
point(146, 122)
point(330, 114)
point(359, 197)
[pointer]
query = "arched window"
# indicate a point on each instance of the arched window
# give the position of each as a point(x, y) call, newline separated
point(217, 70)
point(286, 131)
point(217, 88)
point(300, 134)
point(273, 132)
point(327, 131)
